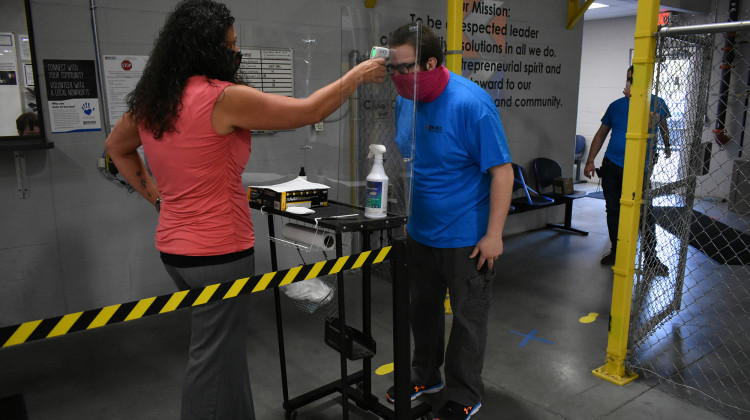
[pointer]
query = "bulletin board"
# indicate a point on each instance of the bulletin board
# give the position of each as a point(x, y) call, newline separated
point(268, 69)
point(10, 95)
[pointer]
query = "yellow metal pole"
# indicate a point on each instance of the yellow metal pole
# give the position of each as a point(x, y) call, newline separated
point(574, 13)
point(454, 61)
point(454, 36)
point(632, 188)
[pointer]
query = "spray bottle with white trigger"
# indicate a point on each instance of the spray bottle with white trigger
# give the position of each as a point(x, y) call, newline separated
point(376, 203)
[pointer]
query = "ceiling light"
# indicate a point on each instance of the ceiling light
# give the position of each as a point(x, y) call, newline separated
point(597, 5)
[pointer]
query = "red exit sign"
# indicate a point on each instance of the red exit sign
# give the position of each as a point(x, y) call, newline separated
point(664, 17)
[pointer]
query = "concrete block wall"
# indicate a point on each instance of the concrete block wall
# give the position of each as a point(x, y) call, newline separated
point(605, 58)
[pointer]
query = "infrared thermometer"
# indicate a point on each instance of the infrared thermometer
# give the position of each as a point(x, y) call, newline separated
point(380, 52)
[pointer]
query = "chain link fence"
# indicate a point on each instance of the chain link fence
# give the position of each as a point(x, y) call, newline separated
point(690, 318)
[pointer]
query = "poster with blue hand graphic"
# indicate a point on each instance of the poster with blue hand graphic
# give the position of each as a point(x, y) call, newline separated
point(72, 96)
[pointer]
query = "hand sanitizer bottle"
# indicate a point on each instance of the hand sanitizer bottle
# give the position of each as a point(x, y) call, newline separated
point(376, 202)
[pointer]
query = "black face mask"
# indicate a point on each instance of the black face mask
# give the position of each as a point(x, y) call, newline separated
point(233, 60)
point(235, 57)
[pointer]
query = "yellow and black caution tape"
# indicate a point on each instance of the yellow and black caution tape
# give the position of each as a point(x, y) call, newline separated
point(108, 315)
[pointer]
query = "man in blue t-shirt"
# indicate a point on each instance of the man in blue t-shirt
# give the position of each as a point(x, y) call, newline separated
point(616, 120)
point(462, 182)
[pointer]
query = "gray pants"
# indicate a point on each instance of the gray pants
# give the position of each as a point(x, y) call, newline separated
point(431, 271)
point(217, 383)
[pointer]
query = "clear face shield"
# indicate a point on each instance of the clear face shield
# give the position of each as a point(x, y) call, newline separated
point(372, 132)
point(381, 123)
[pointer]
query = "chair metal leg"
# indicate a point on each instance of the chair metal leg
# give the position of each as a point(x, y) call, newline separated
point(566, 226)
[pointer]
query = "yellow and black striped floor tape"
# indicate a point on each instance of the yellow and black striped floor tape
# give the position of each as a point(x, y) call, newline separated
point(108, 315)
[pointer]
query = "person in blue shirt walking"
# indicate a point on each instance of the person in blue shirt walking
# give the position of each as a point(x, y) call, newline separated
point(461, 189)
point(616, 120)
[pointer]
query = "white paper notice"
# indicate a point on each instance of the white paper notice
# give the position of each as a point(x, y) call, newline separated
point(24, 48)
point(121, 74)
point(269, 70)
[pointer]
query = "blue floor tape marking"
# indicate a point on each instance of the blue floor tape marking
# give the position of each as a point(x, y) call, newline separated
point(529, 337)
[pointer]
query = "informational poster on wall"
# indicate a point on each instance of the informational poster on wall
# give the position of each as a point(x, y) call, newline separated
point(10, 96)
point(72, 96)
point(121, 74)
point(268, 69)
point(514, 59)
point(511, 50)
point(522, 54)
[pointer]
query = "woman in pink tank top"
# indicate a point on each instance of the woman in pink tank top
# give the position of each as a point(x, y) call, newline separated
point(193, 118)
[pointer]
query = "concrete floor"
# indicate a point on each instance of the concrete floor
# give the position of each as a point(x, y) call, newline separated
point(549, 280)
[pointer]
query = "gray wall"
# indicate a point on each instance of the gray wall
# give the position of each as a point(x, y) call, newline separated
point(605, 59)
point(79, 242)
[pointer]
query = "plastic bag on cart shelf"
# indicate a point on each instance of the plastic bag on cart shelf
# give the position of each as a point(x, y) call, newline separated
point(309, 294)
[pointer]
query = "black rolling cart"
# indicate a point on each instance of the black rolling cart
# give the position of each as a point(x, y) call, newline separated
point(353, 345)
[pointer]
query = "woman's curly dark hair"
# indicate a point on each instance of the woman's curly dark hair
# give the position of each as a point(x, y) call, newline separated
point(192, 42)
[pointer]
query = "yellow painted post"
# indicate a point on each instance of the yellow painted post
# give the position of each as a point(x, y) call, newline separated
point(574, 13)
point(454, 61)
point(453, 54)
point(632, 188)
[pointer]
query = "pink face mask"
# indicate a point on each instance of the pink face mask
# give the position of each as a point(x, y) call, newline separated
point(430, 84)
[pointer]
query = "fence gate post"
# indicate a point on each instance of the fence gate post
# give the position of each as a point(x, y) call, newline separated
point(632, 189)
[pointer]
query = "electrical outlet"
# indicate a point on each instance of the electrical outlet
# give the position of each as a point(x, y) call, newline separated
point(319, 126)
point(109, 165)
point(101, 163)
